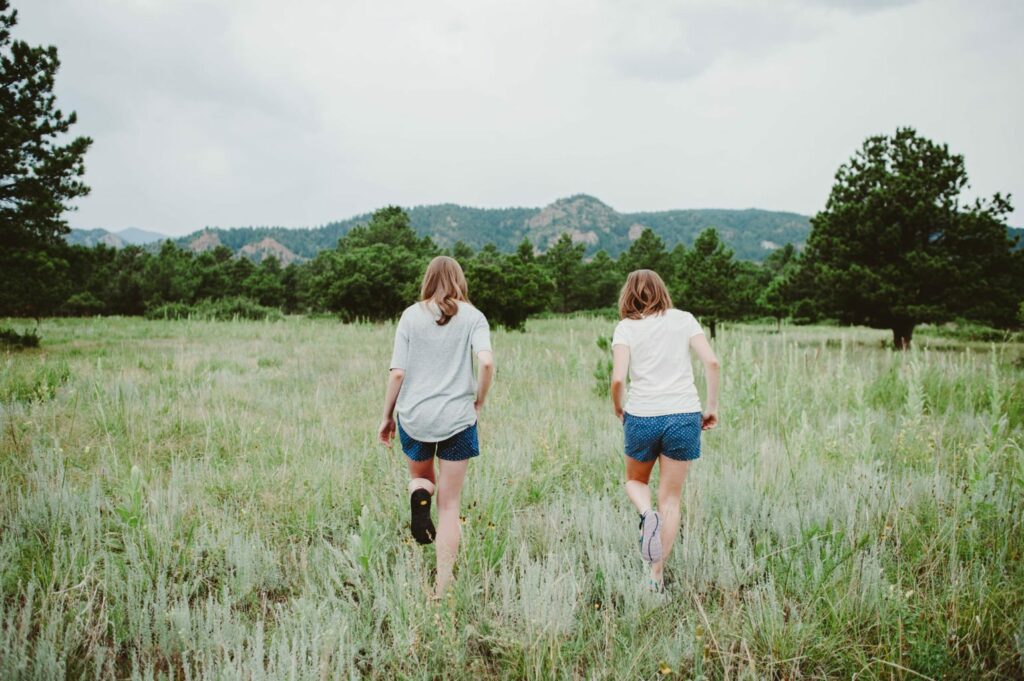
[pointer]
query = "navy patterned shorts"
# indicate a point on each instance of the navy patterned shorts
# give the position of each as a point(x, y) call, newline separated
point(459, 447)
point(677, 436)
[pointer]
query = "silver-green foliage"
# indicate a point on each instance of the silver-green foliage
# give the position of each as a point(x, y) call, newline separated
point(205, 500)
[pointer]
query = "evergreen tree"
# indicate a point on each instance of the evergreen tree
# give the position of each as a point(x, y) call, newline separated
point(39, 176)
point(507, 288)
point(708, 279)
point(295, 288)
point(213, 272)
point(461, 252)
point(896, 245)
point(775, 296)
point(646, 253)
point(265, 284)
point(170, 277)
point(375, 271)
point(564, 265)
point(601, 282)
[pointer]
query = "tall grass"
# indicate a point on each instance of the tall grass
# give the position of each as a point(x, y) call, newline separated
point(205, 500)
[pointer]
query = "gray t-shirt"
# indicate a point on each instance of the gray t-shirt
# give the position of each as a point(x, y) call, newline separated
point(437, 395)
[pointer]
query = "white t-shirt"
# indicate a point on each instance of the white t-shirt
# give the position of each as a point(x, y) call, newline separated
point(660, 374)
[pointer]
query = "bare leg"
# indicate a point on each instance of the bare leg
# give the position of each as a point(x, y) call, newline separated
point(670, 489)
point(421, 474)
point(637, 476)
point(449, 527)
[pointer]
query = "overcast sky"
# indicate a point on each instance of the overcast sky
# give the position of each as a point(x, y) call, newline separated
point(257, 112)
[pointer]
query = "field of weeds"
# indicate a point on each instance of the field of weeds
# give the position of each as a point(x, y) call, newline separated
point(205, 500)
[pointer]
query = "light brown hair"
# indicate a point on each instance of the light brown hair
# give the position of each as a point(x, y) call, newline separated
point(643, 293)
point(444, 284)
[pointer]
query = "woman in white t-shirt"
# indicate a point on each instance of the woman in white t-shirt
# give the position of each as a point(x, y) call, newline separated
point(662, 418)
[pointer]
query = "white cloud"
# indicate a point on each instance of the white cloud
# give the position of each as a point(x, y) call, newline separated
point(239, 112)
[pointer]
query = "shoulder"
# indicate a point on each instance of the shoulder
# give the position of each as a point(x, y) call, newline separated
point(688, 322)
point(622, 331)
point(411, 313)
point(471, 312)
point(681, 315)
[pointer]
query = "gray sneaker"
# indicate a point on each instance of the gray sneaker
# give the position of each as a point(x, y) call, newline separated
point(650, 537)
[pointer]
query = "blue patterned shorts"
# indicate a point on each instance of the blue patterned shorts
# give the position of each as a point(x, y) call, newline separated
point(677, 436)
point(459, 447)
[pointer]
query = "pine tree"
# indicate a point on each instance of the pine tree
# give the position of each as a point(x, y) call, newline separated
point(896, 245)
point(39, 176)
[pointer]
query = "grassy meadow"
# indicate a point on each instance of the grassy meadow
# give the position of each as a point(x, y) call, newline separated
point(206, 500)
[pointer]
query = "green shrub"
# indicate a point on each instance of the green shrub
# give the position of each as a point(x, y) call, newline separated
point(21, 382)
point(224, 309)
point(12, 339)
point(603, 370)
point(968, 331)
point(170, 311)
point(236, 308)
point(83, 304)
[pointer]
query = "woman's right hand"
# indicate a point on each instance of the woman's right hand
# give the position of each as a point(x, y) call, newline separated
point(386, 432)
point(709, 419)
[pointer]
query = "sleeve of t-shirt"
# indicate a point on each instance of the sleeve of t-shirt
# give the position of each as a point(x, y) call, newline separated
point(400, 355)
point(692, 326)
point(480, 339)
point(621, 335)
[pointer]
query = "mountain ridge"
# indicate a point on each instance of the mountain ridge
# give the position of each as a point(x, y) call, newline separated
point(752, 232)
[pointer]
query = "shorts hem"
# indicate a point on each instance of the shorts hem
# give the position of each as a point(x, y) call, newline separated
point(677, 455)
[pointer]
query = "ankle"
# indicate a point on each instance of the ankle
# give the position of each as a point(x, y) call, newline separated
point(421, 483)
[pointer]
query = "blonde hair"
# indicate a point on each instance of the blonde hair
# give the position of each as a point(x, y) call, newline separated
point(643, 293)
point(444, 284)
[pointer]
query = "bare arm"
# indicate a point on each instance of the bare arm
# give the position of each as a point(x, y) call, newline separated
point(386, 432)
point(712, 369)
point(620, 365)
point(485, 376)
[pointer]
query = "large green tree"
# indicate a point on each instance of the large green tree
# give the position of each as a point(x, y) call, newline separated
point(508, 288)
point(375, 271)
point(775, 296)
point(40, 171)
point(564, 264)
point(898, 244)
point(707, 279)
point(601, 282)
point(646, 253)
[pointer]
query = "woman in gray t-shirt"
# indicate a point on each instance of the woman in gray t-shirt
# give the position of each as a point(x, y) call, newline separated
point(433, 400)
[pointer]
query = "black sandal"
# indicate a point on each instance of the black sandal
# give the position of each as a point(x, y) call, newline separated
point(422, 526)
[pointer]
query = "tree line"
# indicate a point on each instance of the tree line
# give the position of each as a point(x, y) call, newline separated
point(374, 272)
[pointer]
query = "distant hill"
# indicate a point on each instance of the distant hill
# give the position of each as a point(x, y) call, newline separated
point(1017, 233)
point(751, 233)
point(140, 237)
point(126, 237)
